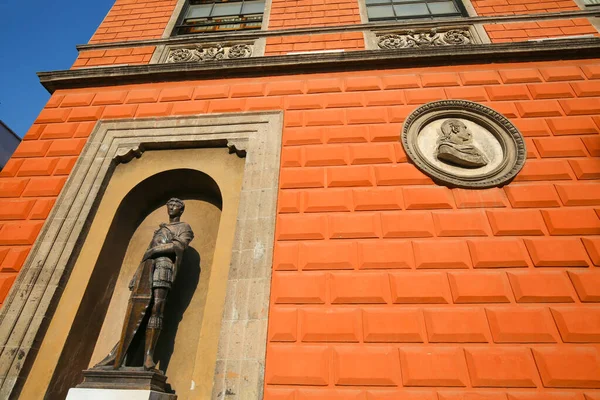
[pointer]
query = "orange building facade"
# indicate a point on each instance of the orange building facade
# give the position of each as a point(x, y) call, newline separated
point(385, 284)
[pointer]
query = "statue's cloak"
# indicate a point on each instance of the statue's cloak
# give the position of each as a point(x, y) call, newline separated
point(141, 294)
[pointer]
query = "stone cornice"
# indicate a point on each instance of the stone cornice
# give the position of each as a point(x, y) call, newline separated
point(405, 24)
point(581, 48)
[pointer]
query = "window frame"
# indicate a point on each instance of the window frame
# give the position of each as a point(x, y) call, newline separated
point(593, 5)
point(463, 11)
point(178, 23)
point(584, 6)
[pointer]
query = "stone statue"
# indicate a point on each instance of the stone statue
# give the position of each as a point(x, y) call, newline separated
point(150, 286)
point(455, 146)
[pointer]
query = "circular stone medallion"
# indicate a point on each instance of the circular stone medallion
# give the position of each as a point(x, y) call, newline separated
point(463, 144)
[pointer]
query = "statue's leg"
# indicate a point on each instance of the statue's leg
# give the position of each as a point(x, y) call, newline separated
point(155, 325)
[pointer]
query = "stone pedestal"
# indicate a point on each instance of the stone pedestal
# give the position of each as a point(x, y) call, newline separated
point(131, 378)
point(125, 383)
point(117, 394)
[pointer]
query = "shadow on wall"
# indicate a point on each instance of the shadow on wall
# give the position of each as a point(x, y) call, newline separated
point(185, 287)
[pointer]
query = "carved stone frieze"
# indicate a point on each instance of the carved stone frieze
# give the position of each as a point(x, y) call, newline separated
point(418, 39)
point(208, 52)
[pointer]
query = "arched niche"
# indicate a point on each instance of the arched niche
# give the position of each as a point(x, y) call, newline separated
point(41, 308)
point(132, 207)
point(100, 314)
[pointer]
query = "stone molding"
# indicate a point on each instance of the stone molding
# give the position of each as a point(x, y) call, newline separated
point(511, 141)
point(40, 282)
point(581, 48)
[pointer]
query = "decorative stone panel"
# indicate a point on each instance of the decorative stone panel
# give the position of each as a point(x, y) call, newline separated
point(433, 37)
point(419, 38)
point(207, 52)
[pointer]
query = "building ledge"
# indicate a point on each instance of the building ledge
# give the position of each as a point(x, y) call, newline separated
point(579, 48)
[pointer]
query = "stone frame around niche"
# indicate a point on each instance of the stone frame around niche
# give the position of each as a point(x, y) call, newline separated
point(256, 135)
point(507, 135)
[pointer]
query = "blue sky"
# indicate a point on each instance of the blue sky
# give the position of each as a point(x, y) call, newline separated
point(39, 35)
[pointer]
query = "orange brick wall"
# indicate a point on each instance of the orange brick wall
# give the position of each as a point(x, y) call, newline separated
point(518, 32)
point(523, 31)
point(146, 19)
point(129, 55)
point(334, 41)
point(386, 286)
point(509, 7)
point(134, 20)
point(313, 13)
point(131, 20)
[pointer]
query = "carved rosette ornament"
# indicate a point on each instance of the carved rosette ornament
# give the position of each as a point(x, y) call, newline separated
point(413, 39)
point(460, 143)
point(208, 53)
point(240, 51)
point(180, 55)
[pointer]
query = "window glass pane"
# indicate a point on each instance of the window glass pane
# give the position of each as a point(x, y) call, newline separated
point(199, 11)
point(410, 10)
point(227, 9)
point(377, 1)
point(445, 7)
point(592, 2)
point(380, 12)
point(253, 7)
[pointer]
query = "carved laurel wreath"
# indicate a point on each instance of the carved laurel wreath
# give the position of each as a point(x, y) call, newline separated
point(508, 136)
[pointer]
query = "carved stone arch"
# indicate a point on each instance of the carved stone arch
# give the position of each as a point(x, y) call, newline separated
point(39, 284)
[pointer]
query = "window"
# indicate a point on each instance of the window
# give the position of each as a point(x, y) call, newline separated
point(591, 2)
point(220, 15)
point(390, 10)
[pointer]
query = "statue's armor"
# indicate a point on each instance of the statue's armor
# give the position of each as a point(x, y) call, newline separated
point(142, 301)
point(163, 266)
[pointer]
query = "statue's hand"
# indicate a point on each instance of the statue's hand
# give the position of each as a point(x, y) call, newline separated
point(131, 283)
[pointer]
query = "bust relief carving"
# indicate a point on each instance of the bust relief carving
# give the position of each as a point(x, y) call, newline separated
point(455, 146)
point(459, 143)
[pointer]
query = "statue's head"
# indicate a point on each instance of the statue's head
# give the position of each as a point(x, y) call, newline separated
point(455, 131)
point(175, 207)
